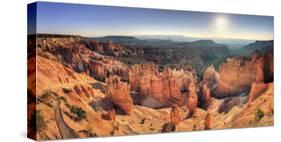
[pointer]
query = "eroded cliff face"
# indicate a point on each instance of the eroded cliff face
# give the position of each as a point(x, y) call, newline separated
point(119, 93)
point(73, 52)
point(107, 48)
point(236, 75)
point(159, 89)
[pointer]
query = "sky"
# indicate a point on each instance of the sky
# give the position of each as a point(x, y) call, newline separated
point(93, 20)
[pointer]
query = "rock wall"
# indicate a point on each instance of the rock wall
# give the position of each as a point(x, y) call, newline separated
point(119, 93)
point(159, 89)
point(237, 74)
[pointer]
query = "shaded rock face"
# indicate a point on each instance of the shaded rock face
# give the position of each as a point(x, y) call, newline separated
point(238, 74)
point(159, 89)
point(256, 90)
point(119, 93)
point(97, 69)
point(168, 127)
point(268, 67)
point(205, 96)
point(175, 115)
point(110, 115)
point(230, 102)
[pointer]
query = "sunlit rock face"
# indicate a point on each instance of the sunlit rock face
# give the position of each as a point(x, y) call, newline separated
point(236, 75)
point(175, 115)
point(119, 93)
point(159, 89)
point(192, 99)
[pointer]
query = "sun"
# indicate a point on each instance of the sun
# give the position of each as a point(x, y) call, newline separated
point(221, 24)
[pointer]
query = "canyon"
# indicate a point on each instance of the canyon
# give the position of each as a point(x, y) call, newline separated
point(114, 86)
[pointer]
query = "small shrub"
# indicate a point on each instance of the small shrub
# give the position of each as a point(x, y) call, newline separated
point(168, 127)
point(40, 121)
point(66, 90)
point(46, 95)
point(63, 99)
point(88, 132)
point(99, 86)
point(259, 114)
point(79, 112)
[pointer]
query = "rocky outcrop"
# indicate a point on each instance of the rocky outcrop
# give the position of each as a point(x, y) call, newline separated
point(211, 77)
point(208, 121)
point(238, 74)
point(205, 96)
point(119, 93)
point(268, 67)
point(256, 90)
point(110, 115)
point(192, 99)
point(175, 115)
point(106, 47)
point(139, 71)
point(97, 69)
point(159, 89)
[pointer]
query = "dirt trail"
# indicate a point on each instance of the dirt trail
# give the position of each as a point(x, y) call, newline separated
point(65, 131)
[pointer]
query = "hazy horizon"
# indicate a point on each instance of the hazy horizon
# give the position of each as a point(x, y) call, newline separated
point(95, 21)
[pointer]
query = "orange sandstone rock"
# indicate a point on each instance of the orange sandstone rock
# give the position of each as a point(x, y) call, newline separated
point(119, 93)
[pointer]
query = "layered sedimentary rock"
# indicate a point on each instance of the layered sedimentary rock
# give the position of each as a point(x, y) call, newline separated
point(192, 99)
point(208, 121)
point(159, 89)
point(110, 115)
point(256, 90)
point(205, 95)
point(140, 70)
point(119, 93)
point(60, 83)
point(175, 115)
point(211, 77)
point(268, 67)
point(74, 53)
point(107, 48)
point(238, 74)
